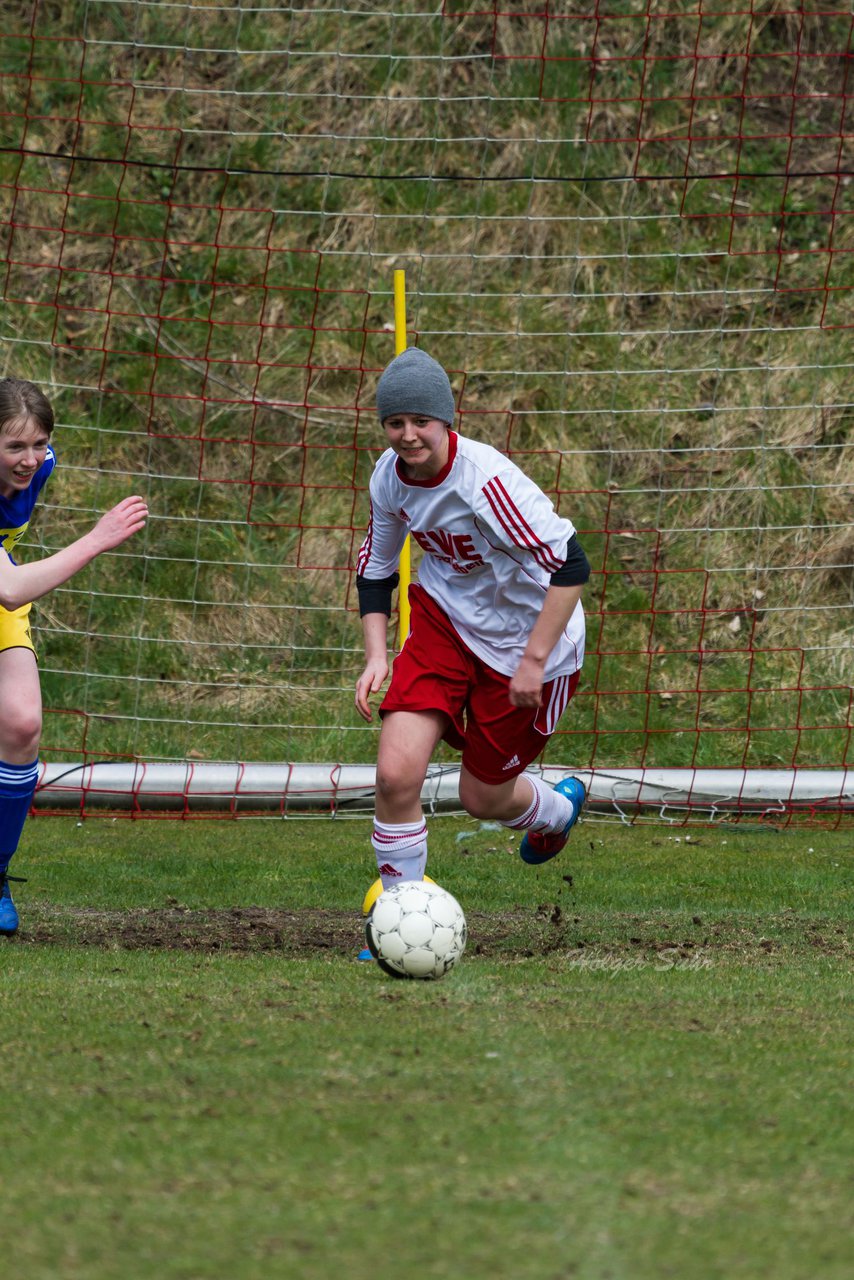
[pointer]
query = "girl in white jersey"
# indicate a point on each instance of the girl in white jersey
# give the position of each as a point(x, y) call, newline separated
point(496, 638)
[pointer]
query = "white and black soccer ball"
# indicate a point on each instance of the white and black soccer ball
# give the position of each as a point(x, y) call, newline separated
point(416, 930)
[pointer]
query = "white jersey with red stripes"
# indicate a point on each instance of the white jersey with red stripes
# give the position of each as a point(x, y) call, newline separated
point(491, 541)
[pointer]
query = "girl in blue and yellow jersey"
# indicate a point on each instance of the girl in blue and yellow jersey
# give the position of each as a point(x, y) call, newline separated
point(26, 462)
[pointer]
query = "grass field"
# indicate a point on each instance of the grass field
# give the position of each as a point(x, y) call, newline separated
point(641, 1068)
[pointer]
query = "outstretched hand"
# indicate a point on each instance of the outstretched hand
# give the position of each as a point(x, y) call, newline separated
point(121, 522)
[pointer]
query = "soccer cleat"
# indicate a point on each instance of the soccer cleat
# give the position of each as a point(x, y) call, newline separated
point(365, 954)
point(8, 911)
point(539, 847)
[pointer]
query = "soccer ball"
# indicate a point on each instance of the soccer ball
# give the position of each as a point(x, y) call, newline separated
point(416, 930)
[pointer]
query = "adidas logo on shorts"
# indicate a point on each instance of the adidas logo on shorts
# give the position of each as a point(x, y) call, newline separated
point(512, 763)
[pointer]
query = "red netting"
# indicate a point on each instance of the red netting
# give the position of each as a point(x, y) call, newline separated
point(628, 236)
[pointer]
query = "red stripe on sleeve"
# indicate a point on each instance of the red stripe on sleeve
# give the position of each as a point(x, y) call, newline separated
point(365, 549)
point(516, 526)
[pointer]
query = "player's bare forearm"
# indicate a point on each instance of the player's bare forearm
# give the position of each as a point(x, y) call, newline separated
point(375, 674)
point(526, 685)
point(21, 584)
point(558, 608)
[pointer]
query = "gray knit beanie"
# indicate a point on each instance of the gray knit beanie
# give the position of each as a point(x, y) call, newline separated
point(415, 383)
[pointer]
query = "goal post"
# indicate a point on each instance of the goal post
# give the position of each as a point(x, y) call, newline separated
point(628, 234)
point(406, 551)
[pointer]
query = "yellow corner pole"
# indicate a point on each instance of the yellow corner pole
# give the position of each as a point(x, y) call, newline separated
point(405, 567)
point(399, 312)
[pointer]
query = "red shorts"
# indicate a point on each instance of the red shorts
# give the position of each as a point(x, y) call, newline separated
point(436, 671)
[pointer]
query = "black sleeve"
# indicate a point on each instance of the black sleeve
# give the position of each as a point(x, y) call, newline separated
point(375, 594)
point(575, 569)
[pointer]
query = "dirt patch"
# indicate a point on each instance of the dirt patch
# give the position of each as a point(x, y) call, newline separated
point(237, 929)
point(182, 929)
point(513, 934)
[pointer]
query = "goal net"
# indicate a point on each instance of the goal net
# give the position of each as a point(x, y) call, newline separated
point(627, 233)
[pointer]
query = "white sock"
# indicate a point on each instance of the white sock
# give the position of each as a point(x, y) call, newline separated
point(549, 811)
point(401, 850)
